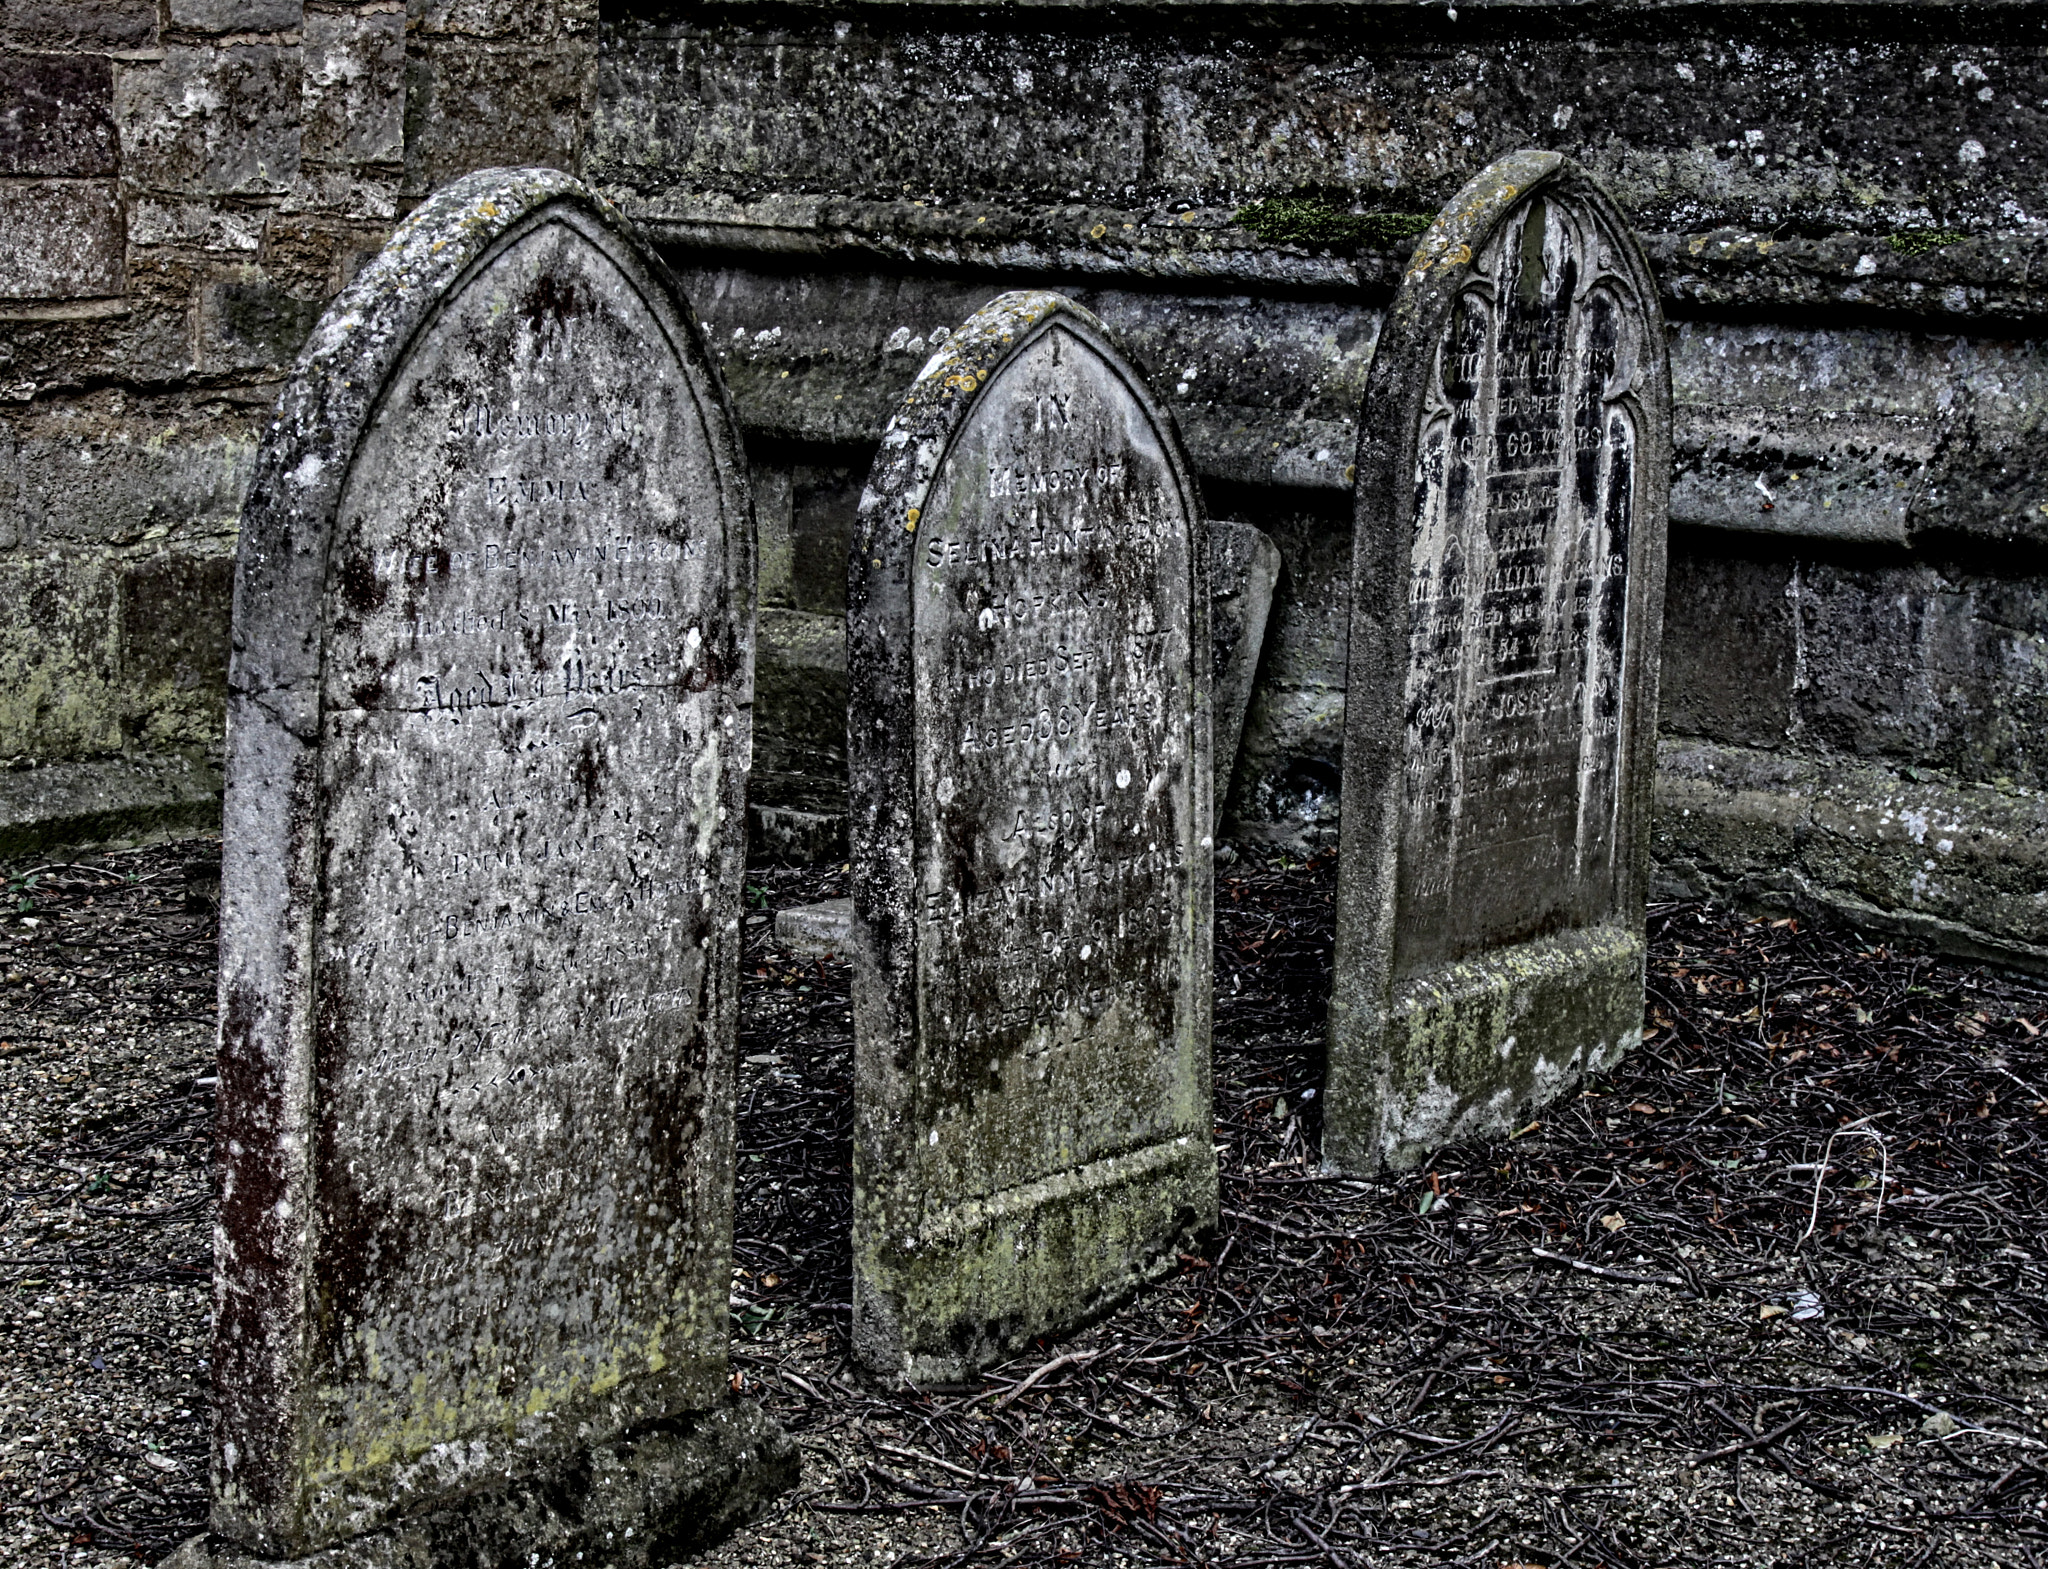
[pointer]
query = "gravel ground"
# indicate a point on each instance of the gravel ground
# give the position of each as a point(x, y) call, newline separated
point(1771, 1293)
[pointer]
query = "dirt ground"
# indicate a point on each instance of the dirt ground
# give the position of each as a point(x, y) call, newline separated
point(1772, 1293)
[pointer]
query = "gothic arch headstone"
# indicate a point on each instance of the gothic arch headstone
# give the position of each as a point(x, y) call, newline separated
point(487, 749)
point(1513, 486)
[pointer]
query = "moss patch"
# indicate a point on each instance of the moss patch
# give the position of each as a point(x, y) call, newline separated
point(1311, 220)
point(1918, 242)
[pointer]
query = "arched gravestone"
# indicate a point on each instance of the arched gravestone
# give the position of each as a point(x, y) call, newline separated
point(1030, 765)
point(1508, 579)
point(488, 738)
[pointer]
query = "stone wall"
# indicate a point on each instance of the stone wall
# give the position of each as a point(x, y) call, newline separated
point(1847, 206)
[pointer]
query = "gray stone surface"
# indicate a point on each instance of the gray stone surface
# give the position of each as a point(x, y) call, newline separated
point(60, 240)
point(482, 858)
point(1027, 651)
point(1508, 581)
point(1244, 567)
point(203, 120)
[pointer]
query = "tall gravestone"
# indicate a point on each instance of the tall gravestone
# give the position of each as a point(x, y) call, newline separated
point(1028, 649)
point(488, 739)
point(1513, 484)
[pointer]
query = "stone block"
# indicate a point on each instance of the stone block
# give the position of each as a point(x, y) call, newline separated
point(800, 713)
point(495, 19)
point(791, 836)
point(56, 116)
point(1921, 665)
point(61, 240)
point(1955, 865)
point(483, 853)
point(1501, 704)
point(1731, 646)
point(353, 105)
point(211, 120)
point(1244, 566)
point(823, 928)
point(81, 24)
point(237, 16)
point(252, 324)
point(59, 672)
point(174, 647)
point(93, 477)
point(1031, 782)
point(115, 800)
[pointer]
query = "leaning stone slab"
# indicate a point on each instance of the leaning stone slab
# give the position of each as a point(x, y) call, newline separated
point(1028, 655)
point(482, 853)
point(1244, 569)
point(1514, 477)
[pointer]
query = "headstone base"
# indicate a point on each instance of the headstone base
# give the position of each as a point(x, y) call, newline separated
point(823, 928)
point(985, 1278)
point(1465, 1043)
point(666, 1490)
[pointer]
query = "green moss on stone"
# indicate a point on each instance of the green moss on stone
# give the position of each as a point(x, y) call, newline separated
point(1918, 242)
point(1311, 220)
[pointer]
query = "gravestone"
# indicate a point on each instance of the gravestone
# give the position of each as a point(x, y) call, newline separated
point(488, 739)
point(1027, 646)
point(1507, 588)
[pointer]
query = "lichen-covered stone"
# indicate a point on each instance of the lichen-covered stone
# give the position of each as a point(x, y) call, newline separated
point(1030, 823)
point(1507, 586)
point(482, 852)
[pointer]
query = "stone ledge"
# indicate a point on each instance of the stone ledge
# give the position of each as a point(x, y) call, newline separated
point(112, 800)
point(1959, 866)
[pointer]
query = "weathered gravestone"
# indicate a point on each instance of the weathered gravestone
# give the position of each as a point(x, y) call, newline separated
point(1028, 650)
point(488, 739)
point(1508, 581)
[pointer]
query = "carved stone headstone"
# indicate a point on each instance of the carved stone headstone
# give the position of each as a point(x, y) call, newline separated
point(1501, 708)
point(1028, 649)
point(488, 739)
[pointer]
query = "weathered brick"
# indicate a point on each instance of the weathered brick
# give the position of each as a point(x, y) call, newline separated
point(80, 24)
point(93, 480)
point(354, 88)
point(56, 115)
point(235, 16)
point(481, 18)
point(211, 121)
point(60, 240)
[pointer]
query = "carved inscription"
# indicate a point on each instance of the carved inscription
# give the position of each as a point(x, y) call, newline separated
point(1053, 752)
point(1524, 484)
point(522, 751)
